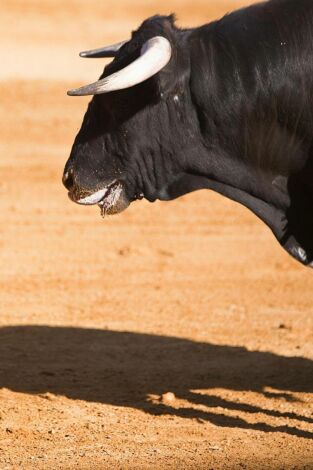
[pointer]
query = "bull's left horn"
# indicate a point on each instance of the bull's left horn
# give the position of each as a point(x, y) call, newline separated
point(155, 55)
point(107, 51)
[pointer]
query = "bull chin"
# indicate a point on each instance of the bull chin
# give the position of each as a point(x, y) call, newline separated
point(119, 206)
point(115, 199)
point(111, 198)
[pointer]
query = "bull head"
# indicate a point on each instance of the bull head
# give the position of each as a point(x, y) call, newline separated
point(114, 154)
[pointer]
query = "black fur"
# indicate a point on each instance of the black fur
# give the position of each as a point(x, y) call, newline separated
point(232, 112)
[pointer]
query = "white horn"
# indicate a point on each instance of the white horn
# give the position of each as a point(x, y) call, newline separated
point(155, 55)
point(108, 51)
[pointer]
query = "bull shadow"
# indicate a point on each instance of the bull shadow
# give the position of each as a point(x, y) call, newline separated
point(124, 369)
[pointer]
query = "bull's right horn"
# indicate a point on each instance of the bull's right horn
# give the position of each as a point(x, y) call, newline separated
point(107, 51)
point(155, 55)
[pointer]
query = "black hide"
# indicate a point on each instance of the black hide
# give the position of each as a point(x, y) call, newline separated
point(232, 112)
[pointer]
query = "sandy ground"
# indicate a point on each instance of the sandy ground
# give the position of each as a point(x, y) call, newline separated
point(100, 319)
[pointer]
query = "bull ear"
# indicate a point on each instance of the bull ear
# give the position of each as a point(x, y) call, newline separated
point(107, 51)
point(155, 55)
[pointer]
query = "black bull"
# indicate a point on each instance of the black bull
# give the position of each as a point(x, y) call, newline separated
point(232, 111)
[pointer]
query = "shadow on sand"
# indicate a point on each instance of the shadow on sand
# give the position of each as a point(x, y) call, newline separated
point(123, 369)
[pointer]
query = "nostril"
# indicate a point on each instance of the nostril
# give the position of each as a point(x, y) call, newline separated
point(68, 179)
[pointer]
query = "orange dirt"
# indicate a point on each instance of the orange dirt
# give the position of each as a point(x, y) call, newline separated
point(175, 335)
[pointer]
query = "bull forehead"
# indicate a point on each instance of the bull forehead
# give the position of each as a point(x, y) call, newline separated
point(157, 25)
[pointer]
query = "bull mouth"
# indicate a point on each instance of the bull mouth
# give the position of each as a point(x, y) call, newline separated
point(109, 204)
point(107, 198)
